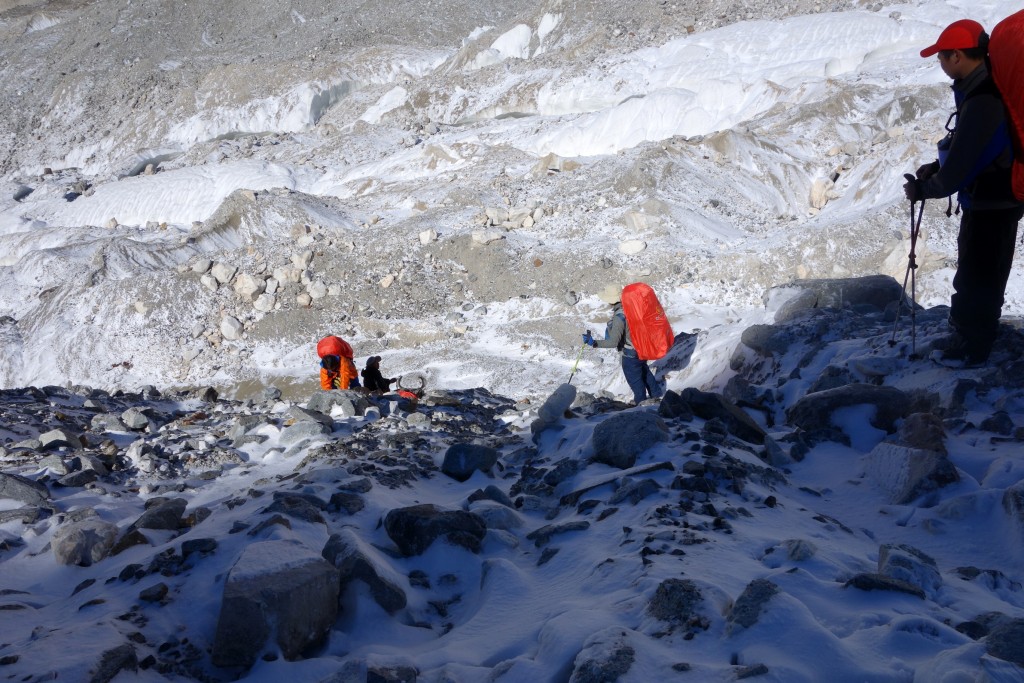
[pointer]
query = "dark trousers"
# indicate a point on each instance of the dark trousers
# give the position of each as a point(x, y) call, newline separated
point(639, 377)
point(985, 248)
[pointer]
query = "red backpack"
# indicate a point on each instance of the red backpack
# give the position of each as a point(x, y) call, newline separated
point(1006, 57)
point(333, 346)
point(648, 327)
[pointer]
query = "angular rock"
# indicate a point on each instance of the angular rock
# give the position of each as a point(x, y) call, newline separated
point(876, 291)
point(223, 272)
point(905, 563)
point(413, 529)
point(768, 340)
point(751, 603)
point(77, 479)
point(461, 460)
point(357, 561)
point(999, 422)
point(114, 661)
point(249, 287)
point(905, 473)
point(231, 328)
point(352, 403)
point(675, 601)
point(605, 658)
point(21, 489)
point(297, 508)
point(798, 550)
point(814, 412)
point(923, 431)
point(497, 516)
point(621, 438)
point(349, 502)
point(104, 422)
point(54, 465)
point(165, 514)
point(277, 591)
point(708, 405)
point(84, 542)
point(135, 418)
point(673, 407)
point(491, 492)
point(1006, 641)
point(59, 438)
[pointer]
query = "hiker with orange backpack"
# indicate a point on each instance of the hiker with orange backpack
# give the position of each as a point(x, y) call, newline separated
point(337, 370)
point(649, 320)
point(974, 161)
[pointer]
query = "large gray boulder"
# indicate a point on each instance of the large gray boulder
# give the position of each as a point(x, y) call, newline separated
point(17, 487)
point(305, 429)
point(621, 438)
point(814, 412)
point(351, 403)
point(277, 591)
point(905, 473)
point(769, 340)
point(461, 460)
point(873, 292)
point(83, 542)
point(162, 514)
point(59, 438)
point(413, 529)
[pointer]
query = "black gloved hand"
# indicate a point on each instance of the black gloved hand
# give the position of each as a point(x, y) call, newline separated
point(588, 339)
point(912, 189)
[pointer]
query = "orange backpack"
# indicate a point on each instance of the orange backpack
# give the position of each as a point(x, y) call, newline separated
point(1006, 57)
point(333, 346)
point(649, 328)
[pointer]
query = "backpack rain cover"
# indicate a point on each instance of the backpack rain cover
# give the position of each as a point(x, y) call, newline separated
point(648, 326)
point(333, 346)
point(1006, 56)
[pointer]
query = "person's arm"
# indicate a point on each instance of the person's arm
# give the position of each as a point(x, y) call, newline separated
point(973, 147)
point(325, 380)
point(614, 332)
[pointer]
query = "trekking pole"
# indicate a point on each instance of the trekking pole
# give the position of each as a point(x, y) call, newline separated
point(576, 364)
point(911, 274)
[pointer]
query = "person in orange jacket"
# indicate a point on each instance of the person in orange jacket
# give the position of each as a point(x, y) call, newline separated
point(337, 371)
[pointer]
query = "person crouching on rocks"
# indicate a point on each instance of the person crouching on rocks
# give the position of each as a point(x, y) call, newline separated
point(373, 380)
point(616, 336)
point(337, 371)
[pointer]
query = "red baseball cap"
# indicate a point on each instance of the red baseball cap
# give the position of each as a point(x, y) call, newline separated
point(959, 35)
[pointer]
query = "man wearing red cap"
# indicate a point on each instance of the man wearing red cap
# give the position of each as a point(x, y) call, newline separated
point(975, 162)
